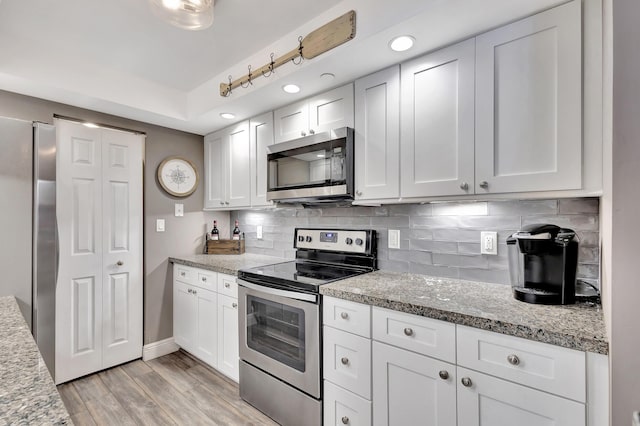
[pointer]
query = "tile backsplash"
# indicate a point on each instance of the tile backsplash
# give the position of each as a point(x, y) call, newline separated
point(439, 239)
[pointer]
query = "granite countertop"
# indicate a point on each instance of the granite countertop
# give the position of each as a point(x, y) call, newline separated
point(27, 392)
point(226, 263)
point(480, 305)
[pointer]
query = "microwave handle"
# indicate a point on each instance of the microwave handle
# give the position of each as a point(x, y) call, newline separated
point(277, 292)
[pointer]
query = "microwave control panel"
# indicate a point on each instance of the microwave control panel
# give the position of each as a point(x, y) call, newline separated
point(339, 240)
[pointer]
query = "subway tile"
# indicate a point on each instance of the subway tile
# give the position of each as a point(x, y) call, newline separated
point(459, 209)
point(579, 206)
point(309, 212)
point(323, 221)
point(259, 243)
point(588, 271)
point(393, 265)
point(401, 209)
point(589, 238)
point(460, 260)
point(421, 209)
point(355, 221)
point(575, 222)
point(523, 207)
point(456, 234)
point(390, 222)
point(435, 246)
point(589, 254)
point(285, 212)
point(469, 248)
point(498, 276)
point(417, 234)
point(490, 223)
point(435, 271)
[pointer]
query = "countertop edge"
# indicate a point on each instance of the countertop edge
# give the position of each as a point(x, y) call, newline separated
point(584, 344)
point(214, 268)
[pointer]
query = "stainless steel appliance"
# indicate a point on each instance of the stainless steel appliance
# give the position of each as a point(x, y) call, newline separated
point(313, 169)
point(543, 260)
point(28, 205)
point(280, 321)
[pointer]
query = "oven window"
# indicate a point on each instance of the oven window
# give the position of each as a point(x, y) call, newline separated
point(277, 331)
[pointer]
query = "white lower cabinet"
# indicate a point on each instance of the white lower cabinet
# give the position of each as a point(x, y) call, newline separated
point(410, 389)
point(342, 407)
point(487, 401)
point(205, 317)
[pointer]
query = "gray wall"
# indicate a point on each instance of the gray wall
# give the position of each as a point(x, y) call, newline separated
point(625, 291)
point(183, 235)
point(440, 239)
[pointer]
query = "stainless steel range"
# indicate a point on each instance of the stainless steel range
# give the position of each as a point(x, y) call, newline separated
point(281, 325)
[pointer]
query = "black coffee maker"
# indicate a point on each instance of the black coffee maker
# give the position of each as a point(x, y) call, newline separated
point(543, 260)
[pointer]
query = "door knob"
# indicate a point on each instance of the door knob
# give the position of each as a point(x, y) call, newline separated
point(345, 420)
point(466, 382)
point(344, 315)
point(464, 186)
point(234, 305)
point(444, 374)
point(408, 331)
point(484, 184)
point(312, 132)
point(195, 292)
point(359, 193)
point(227, 285)
point(189, 290)
point(303, 134)
point(119, 263)
point(344, 360)
point(513, 359)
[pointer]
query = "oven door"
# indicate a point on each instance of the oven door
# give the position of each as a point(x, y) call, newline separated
point(280, 334)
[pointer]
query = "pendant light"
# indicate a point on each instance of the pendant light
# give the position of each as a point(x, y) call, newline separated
point(185, 14)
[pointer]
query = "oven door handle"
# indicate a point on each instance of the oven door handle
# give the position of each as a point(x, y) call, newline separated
point(277, 292)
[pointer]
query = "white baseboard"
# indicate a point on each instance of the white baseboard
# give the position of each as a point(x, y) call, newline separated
point(158, 349)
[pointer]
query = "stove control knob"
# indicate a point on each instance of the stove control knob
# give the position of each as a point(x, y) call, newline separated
point(308, 239)
point(359, 241)
point(349, 241)
point(300, 238)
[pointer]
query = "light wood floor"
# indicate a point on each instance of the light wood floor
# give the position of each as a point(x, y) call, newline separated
point(173, 389)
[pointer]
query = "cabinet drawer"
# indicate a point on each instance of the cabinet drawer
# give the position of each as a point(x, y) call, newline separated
point(227, 285)
point(184, 274)
point(347, 361)
point(539, 365)
point(419, 334)
point(207, 280)
point(348, 316)
point(342, 407)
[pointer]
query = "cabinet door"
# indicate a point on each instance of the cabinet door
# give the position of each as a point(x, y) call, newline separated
point(342, 407)
point(228, 358)
point(291, 122)
point(408, 389)
point(528, 104)
point(206, 304)
point(488, 401)
point(377, 135)
point(261, 129)
point(437, 134)
point(238, 166)
point(331, 110)
point(214, 171)
point(184, 317)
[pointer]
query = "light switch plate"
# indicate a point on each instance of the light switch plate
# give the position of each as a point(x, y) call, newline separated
point(394, 238)
point(489, 243)
point(259, 232)
point(179, 210)
point(159, 225)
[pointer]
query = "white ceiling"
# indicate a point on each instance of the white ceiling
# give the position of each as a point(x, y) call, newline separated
point(116, 57)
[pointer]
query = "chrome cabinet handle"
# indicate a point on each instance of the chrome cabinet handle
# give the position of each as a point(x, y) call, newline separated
point(408, 331)
point(204, 279)
point(234, 305)
point(484, 184)
point(227, 285)
point(195, 292)
point(303, 134)
point(183, 274)
point(344, 360)
point(344, 315)
point(345, 420)
point(464, 186)
point(226, 202)
point(444, 374)
point(222, 203)
point(466, 382)
point(359, 193)
point(513, 359)
point(119, 263)
point(312, 132)
point(190, 291)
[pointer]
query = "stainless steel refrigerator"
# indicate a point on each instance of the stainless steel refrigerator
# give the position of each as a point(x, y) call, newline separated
point(28, 248)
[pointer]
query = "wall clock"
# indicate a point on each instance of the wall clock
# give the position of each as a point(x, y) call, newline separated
point(178, 176)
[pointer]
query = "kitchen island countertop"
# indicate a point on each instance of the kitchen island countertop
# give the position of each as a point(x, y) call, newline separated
point(27, 392)
point(481, 305)
point(227, 263)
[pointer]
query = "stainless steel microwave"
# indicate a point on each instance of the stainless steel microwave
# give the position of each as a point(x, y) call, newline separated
point(314, 169)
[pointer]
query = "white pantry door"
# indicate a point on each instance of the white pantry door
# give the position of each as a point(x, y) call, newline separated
point(99, 213)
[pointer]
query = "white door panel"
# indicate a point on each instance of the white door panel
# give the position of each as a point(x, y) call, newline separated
point(261, 128)
point(239, 166)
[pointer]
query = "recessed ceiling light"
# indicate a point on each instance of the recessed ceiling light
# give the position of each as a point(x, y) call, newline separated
point(91, 125)
point(328, 76)
point(402, 43)
point(227, 115)
point(291, 88)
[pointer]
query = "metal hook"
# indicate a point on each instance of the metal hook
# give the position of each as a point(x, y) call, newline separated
point(249, 76)
point(299, 52)
point(271, 64)
point(228, 91)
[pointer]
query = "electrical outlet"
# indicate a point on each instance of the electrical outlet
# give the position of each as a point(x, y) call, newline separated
point(259, 232)
point(394, 238)
point(159, 225)
point(179, 210)
point(489, 243)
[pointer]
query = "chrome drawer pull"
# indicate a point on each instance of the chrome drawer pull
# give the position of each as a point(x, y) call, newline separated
point(466, 382)
point(344, 360)
point(234, 305)
point(227, 285)
point(444, 374)
point(345, 420)
point(408, 331)
point(182, 274)
point(195, 292)
point(204, 279)
point(190, 291)
point(344, 315)
point(513, 359)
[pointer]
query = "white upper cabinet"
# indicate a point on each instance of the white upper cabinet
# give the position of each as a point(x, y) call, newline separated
point(377, 135)
point(321, 113)
point(437, 135)
point(261, 129)
point(227, 168)
point(529, 104)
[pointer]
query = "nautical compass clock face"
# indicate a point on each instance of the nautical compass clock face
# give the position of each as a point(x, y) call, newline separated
point(178, 176)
